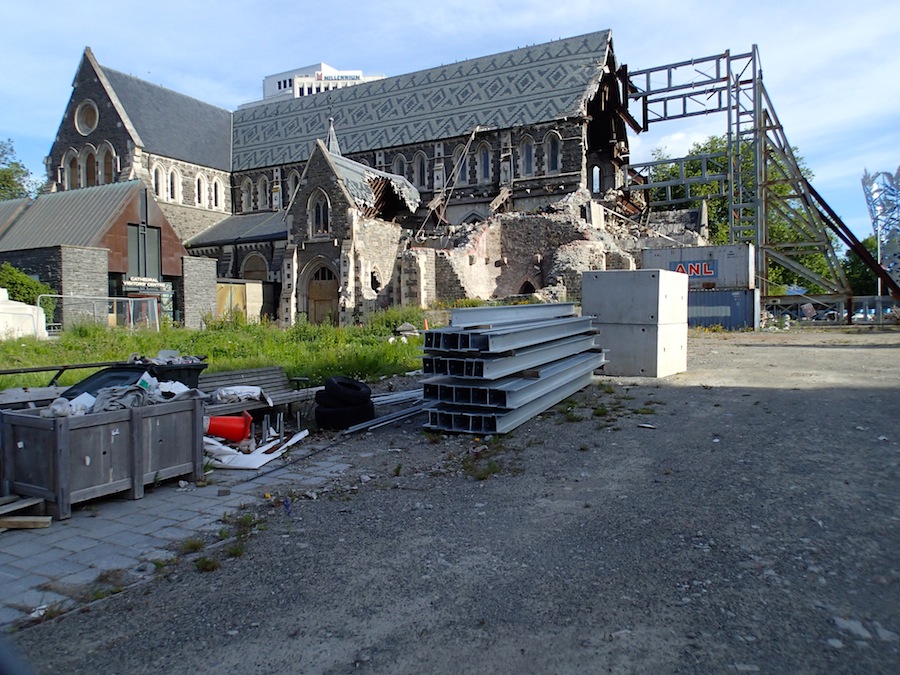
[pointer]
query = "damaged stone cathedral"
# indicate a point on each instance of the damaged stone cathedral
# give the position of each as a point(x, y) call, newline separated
point(493, 177)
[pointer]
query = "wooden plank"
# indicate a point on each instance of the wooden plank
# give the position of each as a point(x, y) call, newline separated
point(272, 380)
point(62, 507)
point(24, 522)
point(15, 503)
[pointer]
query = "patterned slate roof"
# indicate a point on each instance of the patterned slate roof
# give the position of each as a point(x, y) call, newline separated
point(525, 86)
point(357, 179)
point(175, 125)
point(257, 226)
point(69, 218)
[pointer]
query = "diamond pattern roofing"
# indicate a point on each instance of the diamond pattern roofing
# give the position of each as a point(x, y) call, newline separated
point(357, 178)
point(525, 86)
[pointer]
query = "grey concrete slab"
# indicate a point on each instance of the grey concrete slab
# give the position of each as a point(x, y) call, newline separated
point(153, 526)
point(54, 569)
point(105, 530)
point(175, 534)
point(75, 544)
point(51, 536)
point(106, 558)
point(136, 518)
point(32, 598)
point(9, 615)
point(135, 540)
point(87, 575)
point(38, 561)
point(23, 547)
point(13, 586)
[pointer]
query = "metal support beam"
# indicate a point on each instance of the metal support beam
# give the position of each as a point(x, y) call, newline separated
point(506, 337)
point(511, 392)
point(761, 177)
point(480, 421)
point(472, 317)
point(493, 368)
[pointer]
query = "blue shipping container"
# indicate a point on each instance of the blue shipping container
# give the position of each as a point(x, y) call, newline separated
point(731, 309)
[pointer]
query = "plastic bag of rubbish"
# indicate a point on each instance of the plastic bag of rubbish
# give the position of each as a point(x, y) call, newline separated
point(59, 408)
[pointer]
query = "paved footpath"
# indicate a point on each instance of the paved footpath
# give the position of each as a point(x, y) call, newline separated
point(114, 541)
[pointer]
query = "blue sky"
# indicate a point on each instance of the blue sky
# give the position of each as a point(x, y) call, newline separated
point(830, 68)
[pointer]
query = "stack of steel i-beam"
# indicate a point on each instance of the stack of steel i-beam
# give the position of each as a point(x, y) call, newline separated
point(494, 368)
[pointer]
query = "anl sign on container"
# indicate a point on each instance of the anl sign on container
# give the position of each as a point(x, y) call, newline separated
point(707, 266)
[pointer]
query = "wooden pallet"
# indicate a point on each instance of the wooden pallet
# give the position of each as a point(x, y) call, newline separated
point(22, 513)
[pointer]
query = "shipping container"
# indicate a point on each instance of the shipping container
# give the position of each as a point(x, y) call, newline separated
point(730, 309)
point(707, 267)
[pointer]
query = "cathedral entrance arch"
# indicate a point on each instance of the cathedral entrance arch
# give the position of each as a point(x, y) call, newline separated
point(319, 292)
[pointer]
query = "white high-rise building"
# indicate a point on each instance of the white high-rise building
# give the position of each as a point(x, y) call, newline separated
point(310, 80)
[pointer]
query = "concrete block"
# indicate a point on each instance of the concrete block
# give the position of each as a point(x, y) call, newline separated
point(644, 350)
point(642, 297)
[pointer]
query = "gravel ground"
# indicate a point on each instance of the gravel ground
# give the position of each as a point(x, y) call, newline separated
point(742, 516)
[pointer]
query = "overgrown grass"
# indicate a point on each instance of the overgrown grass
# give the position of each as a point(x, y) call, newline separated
point(304, 350)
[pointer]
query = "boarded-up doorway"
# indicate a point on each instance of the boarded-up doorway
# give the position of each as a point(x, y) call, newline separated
point(323, 297)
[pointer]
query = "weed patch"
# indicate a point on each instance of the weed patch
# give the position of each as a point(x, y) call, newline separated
point(205, 564)
point(192, 545)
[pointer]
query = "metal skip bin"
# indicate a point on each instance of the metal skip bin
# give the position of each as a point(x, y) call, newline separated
point(67, 460)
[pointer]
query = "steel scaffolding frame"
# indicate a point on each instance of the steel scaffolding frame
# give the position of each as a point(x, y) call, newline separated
point(758, 158)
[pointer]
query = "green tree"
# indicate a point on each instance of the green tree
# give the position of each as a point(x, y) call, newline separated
point(22, 288)
point(862, 279)
point(15, 179)
point(717, 207)
point(780, 230)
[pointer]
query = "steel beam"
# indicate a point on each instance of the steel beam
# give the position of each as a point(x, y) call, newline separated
point(511, 392)
point(474, 420)
point(496, 367)
point(507, 337)
point(471, 317)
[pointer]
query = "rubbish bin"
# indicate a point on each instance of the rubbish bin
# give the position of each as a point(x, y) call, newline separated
point(186, 373)
point(122, 376)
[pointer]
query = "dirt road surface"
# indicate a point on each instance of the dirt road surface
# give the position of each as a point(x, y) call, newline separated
point(739, 517)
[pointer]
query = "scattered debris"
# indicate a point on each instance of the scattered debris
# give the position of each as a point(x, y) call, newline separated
point(225, 457)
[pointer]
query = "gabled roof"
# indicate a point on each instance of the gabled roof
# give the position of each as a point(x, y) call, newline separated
point(535, 84)
point(358, 179)
point(171, 124)
point(260, 226)
point(70, 218)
